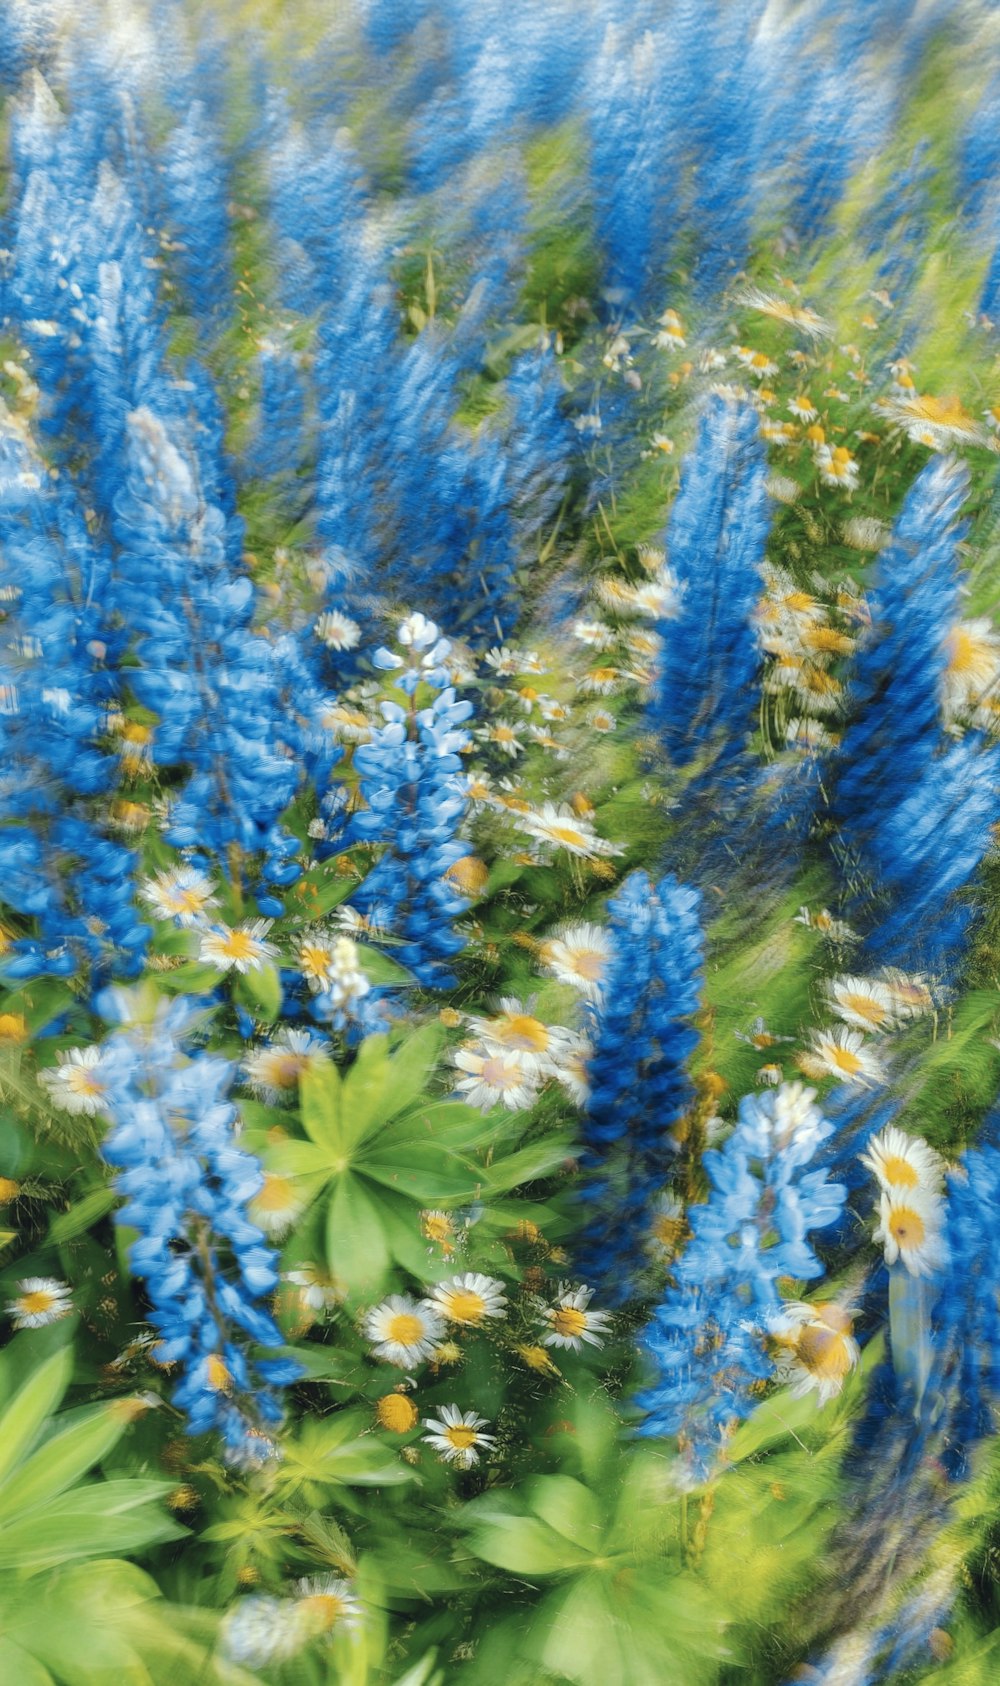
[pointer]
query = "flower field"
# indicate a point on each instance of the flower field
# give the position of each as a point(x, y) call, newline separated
point(499, 843)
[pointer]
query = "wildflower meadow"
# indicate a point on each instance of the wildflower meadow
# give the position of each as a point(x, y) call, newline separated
point(499, 842)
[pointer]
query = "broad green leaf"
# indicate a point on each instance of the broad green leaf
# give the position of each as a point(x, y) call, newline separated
point(84, 1212)
point(63, 1458)
point(107, 1518)
point(410, 1067)
point(320, 1095)
point(421, 1672)
point(526, 1546)
point(568, 1507)
point(260, 990)
point(526, 1165)
point(422, 1173)
point(357, 1249)
point(365, 1089)
point(20, 1669)
point(379, 969)
point(22, 1421)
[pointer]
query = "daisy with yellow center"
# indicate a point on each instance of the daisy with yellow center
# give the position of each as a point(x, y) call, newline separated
point(182, 894)
point(837, 467)
point(937, 422)
point(346, 723)
point(40, 1300)
point(911, 997)
point(469, 875)
point(504, 735)
point(536, 1358)
point(78, 1084)
point(439, 1227)
point(973, 668)
point(313, 1294)
point(781, 309)
point(496, 1077)
point(823, 921)
point(803, 408)
point(315, 959)
point(910, 1228)
point(458, 1436)
point(865, 1003)
point(667, 1229)
point(816, 1350)
point(470, 1299)
point(276, 1206)
point(902, 1162)
point(403, 1332)
point(561, 828)
point(844, 1054)
point(325, 1603)
point(578, 955)
point(273, 1072)
point(570, 1062)
point(239, 948)
point(568, 1322)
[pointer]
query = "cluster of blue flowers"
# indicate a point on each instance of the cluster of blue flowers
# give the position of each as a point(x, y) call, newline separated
point(705, 1337)
point(715, 540)
point(414, 803)
point(639, 1084)
point(914, 808)
point(207, 1267)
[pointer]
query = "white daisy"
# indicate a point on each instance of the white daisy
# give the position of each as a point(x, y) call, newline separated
point(493, 1077)
point(79, 1083)
point(973, 668)
point(595, 633)
point(260, 1630)
point(568, 1322)
point(240, 948)
point(570, 1061)
point(816, 1349)
point(504, 661)
point(840, 1052)
point(402, 1331)
point(865, 1003)
point(325, 1603)
point(514, 1029)
point(182, 894)
point(277, 1205)
point(337, 631)
point(458, 1436)
point(315, 1292)
point(504, 735)
point(837, 467)
point(910, 1228)
point(40, 1300)
point(900, 1162)
point(578, 955)
point(469, 1299)
point(561, 828)
point(273, 1071)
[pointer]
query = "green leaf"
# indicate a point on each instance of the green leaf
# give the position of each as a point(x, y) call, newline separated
point(260, 991)
point(320, 1093)
point(365, 1087)
point(411, 1066)
point(357, 1249)
point(81, 1215)
point(525, 1546)
point(568, 1507)
point(22, 1421)
point(379, 969)
point(105, 1519)
point(17, 1666)
point(423, 1173)
point(63, 1458)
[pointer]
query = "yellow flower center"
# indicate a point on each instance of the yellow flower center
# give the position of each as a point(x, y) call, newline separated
point(823, 1351)
point(520, 1030)
point(322, 1611)
point(9, 1190)
point(463, 1306)
point(218, 1375)
point(238, 945)
point(843, 1058)
point(188, 900)
point(282, 1069)
point(569, 835)
point(568, 1321)
point(12, 1027)
point(906, 1227)
point(437, 1226)
point(314, 960)
point(461, 1437)
point(396, 1413)
point(967, 655)
point(83, 1080)
point(405, 1329)
point(898, 1172)
point(537, 1358)
point(504, 734)
point(277, 1194)
point(39, 1300)
point(816, 434)
point(865, 1007)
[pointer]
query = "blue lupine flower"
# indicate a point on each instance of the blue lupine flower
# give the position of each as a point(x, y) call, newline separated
point(196, 192)
point(207, 1267)
point(715, 540)
point(705, 1336)
point(639, 1085)
point(415, 799)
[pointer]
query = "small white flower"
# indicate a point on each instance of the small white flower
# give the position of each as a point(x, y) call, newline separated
point(240, 948)
point(568, 1322)
point(182, 894)
point(40, 1300)
point(338, 631)
point(403, 1332)
point(901, 1162)
point(493, 1076)
point(910, 1228)
point(470, 1299)
point(578, 955)
point(458, 1436)
point(273, 1072)
point(78, 1084)
point(561, 828)
point(842, 1053)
